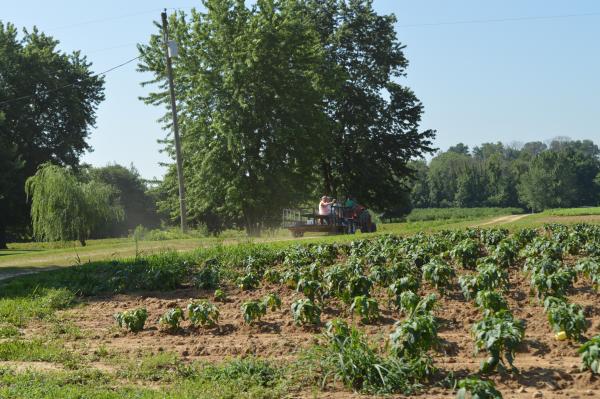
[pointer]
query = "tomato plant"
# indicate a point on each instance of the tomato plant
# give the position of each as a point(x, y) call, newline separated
point(203, 313)
point(499, 334)
point(133, 320)
point(367, 308)
point(172, 318)
point(306, 312)
point(253, 311)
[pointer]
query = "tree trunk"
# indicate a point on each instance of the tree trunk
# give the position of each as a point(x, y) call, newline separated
point(82, 241)
point(327, 180)
point(3, 237)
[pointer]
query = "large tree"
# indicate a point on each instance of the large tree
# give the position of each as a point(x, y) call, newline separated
point(250, 106)
point(63, 208)
point(48, 100)
point(373, 120)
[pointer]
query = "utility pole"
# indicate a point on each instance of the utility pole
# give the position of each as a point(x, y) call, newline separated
point(182, 207)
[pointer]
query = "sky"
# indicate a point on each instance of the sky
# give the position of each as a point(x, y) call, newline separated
point(510, 70)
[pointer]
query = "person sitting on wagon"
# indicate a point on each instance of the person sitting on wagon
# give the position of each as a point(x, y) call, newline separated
point(325, 208)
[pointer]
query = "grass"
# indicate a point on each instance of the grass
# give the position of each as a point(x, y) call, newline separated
point(573, 211)
point(426, 214)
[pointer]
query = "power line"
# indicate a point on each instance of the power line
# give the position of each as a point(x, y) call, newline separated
point(500, 20)
point(69, 84)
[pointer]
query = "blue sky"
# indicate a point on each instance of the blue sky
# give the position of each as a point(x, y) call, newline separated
point(525, 80)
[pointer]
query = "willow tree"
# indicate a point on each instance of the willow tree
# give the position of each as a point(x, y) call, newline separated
point(63, 208)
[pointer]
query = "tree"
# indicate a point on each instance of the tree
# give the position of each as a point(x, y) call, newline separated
point(250, 107)
point(549, 183)
point(53, 124)
point(372, 129)
point(131, 192)
point(63, 208)
point(10, 168)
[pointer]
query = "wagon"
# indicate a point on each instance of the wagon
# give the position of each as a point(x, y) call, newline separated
point(342, 220)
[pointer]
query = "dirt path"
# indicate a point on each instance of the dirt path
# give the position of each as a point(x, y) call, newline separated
point(505, 219)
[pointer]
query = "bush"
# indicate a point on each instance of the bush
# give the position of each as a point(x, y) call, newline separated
point(133, 320)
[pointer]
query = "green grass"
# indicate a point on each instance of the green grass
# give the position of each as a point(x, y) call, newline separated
point(573, 211)
point(426, 214)
point(247, 378)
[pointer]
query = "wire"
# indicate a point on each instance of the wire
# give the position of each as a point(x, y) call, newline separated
point(69, 84)
point(499, 20)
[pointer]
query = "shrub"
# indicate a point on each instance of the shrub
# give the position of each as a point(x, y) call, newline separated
point(499, 334)
point(590, 355)
point(306, 312)
point(133, 320)
point(367, 308)
point(253, 311)
point(172, 318)
point(474, 388)
point(203, 313)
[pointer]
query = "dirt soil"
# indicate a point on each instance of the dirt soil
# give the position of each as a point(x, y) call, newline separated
point(547, 367)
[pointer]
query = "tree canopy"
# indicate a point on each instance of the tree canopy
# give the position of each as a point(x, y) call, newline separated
point(63, 208)
point(283, 100)
point(535, 176)
point(41, 120)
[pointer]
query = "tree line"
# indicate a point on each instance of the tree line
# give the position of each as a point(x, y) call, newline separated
point(560, 174)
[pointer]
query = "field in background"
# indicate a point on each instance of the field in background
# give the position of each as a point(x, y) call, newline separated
point(30, 257)
point(425, 214)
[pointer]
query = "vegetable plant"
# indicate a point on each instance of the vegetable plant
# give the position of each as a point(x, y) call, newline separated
point(415, 335)
point(253, 311)
point(208, 276)
point(590, 355)
point(552, 284)
point(172, 318)
point(220, 295)
point(272, 301)
point(272, 276)
point(203, 313)
point(439, 274)
point(367, 308)
point(490, 302)
point(249, 281)
point(590, 268)
point(401, 285)
point(306, 312)
point(133, 320)
point(412, 304)
point(474, 388)
point(566, 317)
point(469, 285)
point(466, 253)
point(499, 334)
point(310, 288)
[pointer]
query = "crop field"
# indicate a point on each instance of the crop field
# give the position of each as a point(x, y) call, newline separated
point(473, 310)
